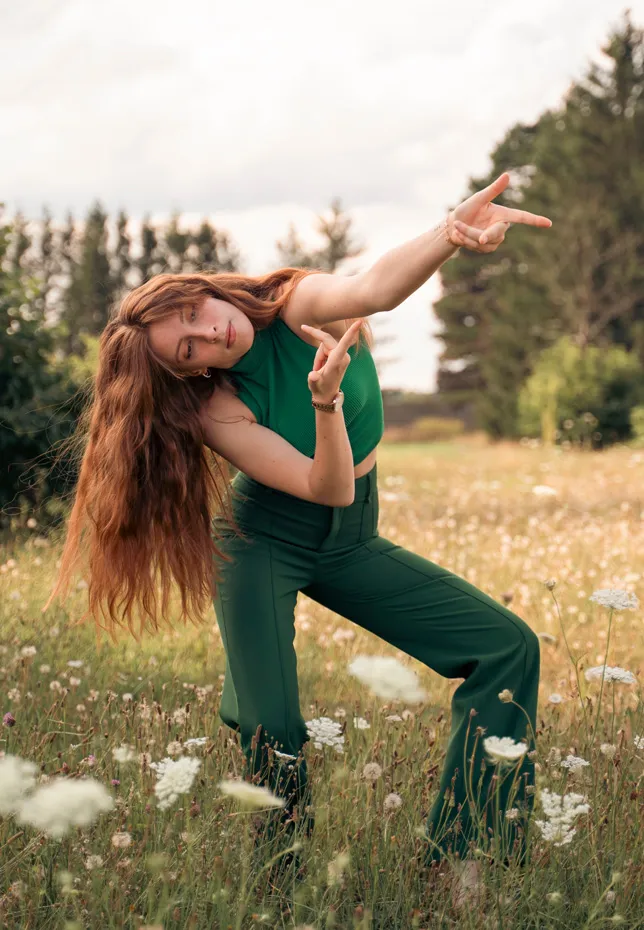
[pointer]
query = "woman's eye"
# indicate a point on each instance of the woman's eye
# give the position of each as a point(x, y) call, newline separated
point(189, 349)
point(193, 314)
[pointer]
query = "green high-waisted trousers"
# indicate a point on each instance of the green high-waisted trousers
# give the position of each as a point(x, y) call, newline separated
point(335, 556)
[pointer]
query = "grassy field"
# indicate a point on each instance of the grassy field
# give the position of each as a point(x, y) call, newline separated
point(485, 513)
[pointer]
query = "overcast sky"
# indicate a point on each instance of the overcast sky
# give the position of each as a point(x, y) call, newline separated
point(258, 114)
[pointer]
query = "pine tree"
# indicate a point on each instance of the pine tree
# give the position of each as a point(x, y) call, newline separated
point(122, 259)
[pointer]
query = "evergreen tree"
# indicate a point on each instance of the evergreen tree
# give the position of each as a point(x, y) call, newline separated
point(122, 259)
point(150, 261)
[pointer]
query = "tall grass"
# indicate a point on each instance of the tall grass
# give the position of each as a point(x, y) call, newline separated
point(473, 510)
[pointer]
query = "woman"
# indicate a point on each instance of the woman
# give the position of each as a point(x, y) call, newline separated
point(252, 369)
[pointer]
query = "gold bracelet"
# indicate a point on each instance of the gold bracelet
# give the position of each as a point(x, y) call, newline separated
point(444, 226)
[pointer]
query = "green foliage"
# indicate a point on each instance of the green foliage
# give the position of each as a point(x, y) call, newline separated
point(426, 429)
point(637, 426)
point(581, 165)
point(581, 393)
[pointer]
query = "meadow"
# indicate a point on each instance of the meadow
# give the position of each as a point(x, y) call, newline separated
point(539, 529)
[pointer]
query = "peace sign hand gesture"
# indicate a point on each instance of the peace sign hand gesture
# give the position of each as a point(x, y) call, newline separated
point(480, 225)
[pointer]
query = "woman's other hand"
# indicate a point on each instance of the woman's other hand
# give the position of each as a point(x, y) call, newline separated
point(480, 225)
point(330, 362)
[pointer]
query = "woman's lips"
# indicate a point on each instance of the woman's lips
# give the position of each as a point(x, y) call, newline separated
point(230, 336)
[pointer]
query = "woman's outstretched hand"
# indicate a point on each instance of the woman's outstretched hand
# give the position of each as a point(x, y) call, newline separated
point(480, 225)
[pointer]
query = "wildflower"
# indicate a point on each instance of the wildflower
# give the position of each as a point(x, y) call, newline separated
point(361, 724)
point(75, 663)
point(608, 749)
point(127, 697)
point(639, 742)
point(64, 803)
point(74, 682)
point(17, 778)
point(506, 696)
point(9, 720)
point(504, 749)
point(371, 771)
point(550, 584)
point(250, 795)
point(388, 678)
point(175, 778)
point(555, 698)
point(31, 523)
point(336, 868)
point(28, 651)
point(121, 840)
point(614, 599)
point(554, 756)
point(392, 802)
point(561, 811)
point(123, 754)
point(610, 674)
point(393, 718)
point(44, 669)
point(554, 897)
point(574, 763)
point(174, 748)
point(93, 862)
point(195, 741)
point(179, 715)
point(512, 813)
point(326, 732)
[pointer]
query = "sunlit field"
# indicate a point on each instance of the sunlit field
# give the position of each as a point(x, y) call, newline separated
point(538, 529)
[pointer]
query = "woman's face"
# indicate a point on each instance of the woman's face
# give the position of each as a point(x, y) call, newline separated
point(212, 334)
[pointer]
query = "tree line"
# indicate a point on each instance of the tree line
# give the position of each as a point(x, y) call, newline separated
point(546, 337)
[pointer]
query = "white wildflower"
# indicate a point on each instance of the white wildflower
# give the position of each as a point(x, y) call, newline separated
point(176, 778)
point(64, 803)
point(371, 771)
point(195, 741)
point(175, 748)
point(555, 698)
point(574, 763)
point(561, 811)
point(639, 742)
point(121, 840)
point(554, 897)
point(336, 868)
point(512, 813)
point(388, 678)
point(392, 802)
point(505, 696)
point(550, 584)
point(28, 651)
point(361, 724)
point(394, 718)
point(93, 862)
point(252, 796)
point(76, 663)
point(614, 599)
point(610, 674)
point(17, 778)
point(504, 749)
point(543, 490)
point(124, 754)
point(326, 732)
point(608, 749)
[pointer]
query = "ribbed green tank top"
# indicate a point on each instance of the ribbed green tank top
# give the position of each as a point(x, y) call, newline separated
point(271, 379)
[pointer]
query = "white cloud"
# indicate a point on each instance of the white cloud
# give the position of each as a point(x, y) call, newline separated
point(258, 114)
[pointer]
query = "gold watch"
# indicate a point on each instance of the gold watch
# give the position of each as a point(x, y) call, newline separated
point(336, 403)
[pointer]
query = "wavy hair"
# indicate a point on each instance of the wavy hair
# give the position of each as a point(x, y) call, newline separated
point(148, 487)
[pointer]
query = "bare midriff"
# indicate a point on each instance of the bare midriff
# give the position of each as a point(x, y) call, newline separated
point(366, 464)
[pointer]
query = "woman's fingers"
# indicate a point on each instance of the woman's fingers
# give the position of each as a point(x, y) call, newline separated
point(529, 219)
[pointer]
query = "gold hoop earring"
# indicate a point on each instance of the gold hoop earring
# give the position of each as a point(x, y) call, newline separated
point(207, 373)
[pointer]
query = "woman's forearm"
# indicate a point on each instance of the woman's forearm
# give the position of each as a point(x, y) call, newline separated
point(402, 270)
point(332, 478)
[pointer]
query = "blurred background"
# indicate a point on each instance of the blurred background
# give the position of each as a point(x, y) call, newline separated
point(138, 138)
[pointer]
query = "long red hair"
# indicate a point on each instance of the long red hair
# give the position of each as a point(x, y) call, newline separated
point(148, 487)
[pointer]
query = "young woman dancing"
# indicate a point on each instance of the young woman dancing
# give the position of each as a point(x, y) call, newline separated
point(252, 368)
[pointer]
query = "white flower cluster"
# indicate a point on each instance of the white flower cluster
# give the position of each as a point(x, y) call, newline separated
point(174, 777)
point(326, 732)
point(54, 807)
point(610, 673)
point(388, 678)
point(615, 599)
point(574, 763)
point(561, 811)
point(504, 749)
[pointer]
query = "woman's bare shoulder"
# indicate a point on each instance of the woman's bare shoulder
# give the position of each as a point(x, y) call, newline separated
point(224, 403)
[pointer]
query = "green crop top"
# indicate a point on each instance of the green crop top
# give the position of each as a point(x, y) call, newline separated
point(271, 379)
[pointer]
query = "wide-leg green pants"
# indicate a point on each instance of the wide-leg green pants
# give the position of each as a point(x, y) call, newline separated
point(335, 556)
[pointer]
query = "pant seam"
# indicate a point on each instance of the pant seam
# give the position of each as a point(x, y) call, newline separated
point(277, 639)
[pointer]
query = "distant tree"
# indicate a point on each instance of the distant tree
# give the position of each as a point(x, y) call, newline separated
point(122, 258)
point(151, 261)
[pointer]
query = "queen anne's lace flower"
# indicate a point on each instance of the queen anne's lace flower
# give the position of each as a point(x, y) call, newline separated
point(574, 763)
point(174, 778)
point(610, 673)
point(388, 678)
point(504, 748)
point(326, 732)
point(124, 754)
point(638, 742)
point(614, 599)
point(561, 811)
